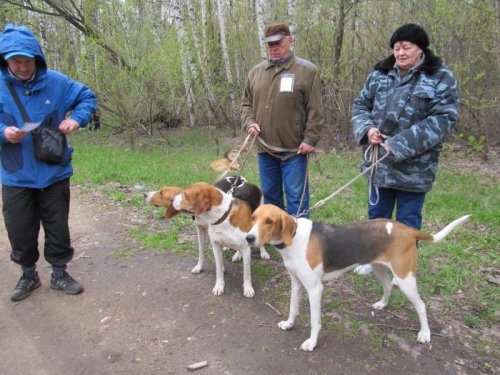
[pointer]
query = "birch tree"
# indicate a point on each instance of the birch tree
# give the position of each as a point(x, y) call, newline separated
point(201, 58)
point(185, 57)
point(204, 22)
point(259, 10)
point(225, 52)
point(292, 15)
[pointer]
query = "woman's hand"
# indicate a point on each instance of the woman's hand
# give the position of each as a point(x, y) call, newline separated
point(374, 136)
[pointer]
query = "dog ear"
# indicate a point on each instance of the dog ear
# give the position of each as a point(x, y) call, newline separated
point(202, 205)
point(288, 228)
point(170, 212)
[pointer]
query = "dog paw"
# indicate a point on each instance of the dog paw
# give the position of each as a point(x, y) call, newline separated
point(218, 289)
point(363, 269)
point(197, 269)
point(264, 255)
point(248, 291)
point(424, 336)
point(379, 305)
point(285, 325)
point(308, 345)
point(236, 257)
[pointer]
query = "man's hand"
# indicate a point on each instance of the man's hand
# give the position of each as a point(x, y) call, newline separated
point(305, 149)
point(253, 129)
point(68, 125)
point(13, 134)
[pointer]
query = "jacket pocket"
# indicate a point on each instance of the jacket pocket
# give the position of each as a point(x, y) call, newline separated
point(421, 104)
point(12, 157)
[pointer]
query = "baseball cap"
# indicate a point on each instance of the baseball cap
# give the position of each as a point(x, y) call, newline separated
point(276, 32)
point(18, 53)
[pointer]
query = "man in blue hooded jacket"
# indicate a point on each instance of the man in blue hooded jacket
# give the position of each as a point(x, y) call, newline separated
point(35, 192)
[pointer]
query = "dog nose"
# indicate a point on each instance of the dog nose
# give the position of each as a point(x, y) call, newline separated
point(250, 238)
point(145, 195)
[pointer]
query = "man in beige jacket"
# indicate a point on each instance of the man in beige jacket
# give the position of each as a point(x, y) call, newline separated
point(282, 106)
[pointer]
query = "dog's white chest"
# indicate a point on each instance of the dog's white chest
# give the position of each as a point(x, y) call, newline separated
point(227, 235)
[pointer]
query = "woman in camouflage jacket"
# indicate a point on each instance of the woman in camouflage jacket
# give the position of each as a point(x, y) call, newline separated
point(407, 106)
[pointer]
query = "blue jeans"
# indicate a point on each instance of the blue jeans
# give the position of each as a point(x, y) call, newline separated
point(289, 175)
point(408, 204)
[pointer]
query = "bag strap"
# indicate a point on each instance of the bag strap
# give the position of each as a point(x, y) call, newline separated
point(20, 106)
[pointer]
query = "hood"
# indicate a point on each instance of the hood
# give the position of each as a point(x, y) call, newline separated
point(20, 38)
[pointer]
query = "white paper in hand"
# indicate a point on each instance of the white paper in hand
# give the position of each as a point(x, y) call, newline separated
point(29, 126)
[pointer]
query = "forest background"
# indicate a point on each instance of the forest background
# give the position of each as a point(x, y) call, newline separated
point(166, 63)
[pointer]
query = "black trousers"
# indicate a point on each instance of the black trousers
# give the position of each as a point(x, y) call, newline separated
point(23, 211)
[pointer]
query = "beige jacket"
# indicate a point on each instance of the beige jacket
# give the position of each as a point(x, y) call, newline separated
point(285, 101)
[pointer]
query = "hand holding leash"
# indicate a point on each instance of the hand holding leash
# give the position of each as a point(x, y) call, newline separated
point(305, 149)
point(253, 130)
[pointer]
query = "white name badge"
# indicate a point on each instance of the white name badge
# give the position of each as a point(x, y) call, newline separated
point(286, 82)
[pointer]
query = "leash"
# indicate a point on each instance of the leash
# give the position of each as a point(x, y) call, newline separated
point(224, 174)
point(273, 150)
point(371, 156)
point(306, 182)
point(323, 201)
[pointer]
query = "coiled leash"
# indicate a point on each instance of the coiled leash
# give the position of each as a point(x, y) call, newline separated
point(371, 156)
point(323, 201)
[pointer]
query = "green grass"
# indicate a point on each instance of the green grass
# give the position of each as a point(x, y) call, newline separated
point(451, 272)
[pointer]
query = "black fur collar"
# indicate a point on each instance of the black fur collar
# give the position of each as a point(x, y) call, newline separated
point(431, 63)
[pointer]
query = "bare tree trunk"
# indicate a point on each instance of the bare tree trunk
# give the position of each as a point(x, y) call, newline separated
point(227, 61)
point(201, 58)
point(204, 28)
point(183, 44)
point(292, 15)
point(339, 39)
point(354, 19)
point(260, 28)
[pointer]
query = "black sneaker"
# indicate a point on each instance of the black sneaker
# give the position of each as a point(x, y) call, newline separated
point(66, 283)
point(24, 287)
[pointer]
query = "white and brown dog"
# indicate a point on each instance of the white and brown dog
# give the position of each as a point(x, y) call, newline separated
point(236, 185)
point(228, 218)
point(315, 252)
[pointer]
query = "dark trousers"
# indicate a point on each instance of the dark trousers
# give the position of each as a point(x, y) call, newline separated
point(408, 205)
point(23, 211)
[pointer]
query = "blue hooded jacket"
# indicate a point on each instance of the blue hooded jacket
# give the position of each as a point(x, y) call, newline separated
point(47, 98)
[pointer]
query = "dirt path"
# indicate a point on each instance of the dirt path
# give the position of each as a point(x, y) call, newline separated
point(149, 315)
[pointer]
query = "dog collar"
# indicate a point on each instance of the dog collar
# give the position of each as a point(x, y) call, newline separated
point(280, 246)
point(226, 214)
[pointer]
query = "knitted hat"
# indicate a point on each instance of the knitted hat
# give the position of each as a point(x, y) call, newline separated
point(410, 33)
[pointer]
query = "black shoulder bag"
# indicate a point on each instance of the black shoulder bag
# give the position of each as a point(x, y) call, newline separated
point(48, 143)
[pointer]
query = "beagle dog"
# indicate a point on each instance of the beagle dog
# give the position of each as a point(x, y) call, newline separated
point(315, 252)
point(237, 185)
point(222, 165)
point(228, 218)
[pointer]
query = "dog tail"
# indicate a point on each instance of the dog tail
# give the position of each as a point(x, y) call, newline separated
point(447, 229)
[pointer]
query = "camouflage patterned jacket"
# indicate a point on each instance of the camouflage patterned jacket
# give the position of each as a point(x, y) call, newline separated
point(418, 111)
